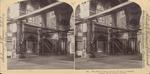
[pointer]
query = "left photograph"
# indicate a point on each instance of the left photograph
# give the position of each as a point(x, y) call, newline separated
point(40, 35)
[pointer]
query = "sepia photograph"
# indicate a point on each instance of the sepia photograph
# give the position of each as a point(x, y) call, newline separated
point(40, 35)
point(108, 35)
point(96, 34)
point(74, 36)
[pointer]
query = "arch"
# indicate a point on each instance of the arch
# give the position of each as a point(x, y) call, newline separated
point(120, 20)
point(133, 14)
point(63, 14)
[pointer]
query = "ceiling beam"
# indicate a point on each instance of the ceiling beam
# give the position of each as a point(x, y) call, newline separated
point(106, 12)
point(115, 28)
point(36, 12)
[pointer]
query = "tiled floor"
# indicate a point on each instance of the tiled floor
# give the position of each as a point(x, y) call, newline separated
point(42, 62)
point(67, 62)
point(109, 62)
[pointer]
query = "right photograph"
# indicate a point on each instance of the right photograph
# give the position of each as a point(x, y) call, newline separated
point(108, 35)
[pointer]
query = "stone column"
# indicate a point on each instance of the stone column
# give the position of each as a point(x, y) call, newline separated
point(84, 40)
point(108, 41)
point(18, 38)
point(62, 46)
point(21, 47)
point(38, 41)
point(84, 12)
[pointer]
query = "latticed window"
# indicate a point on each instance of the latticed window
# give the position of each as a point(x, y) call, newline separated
point(51, 19)
point(121, 19)
point(104, 20)
point(100, 8)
